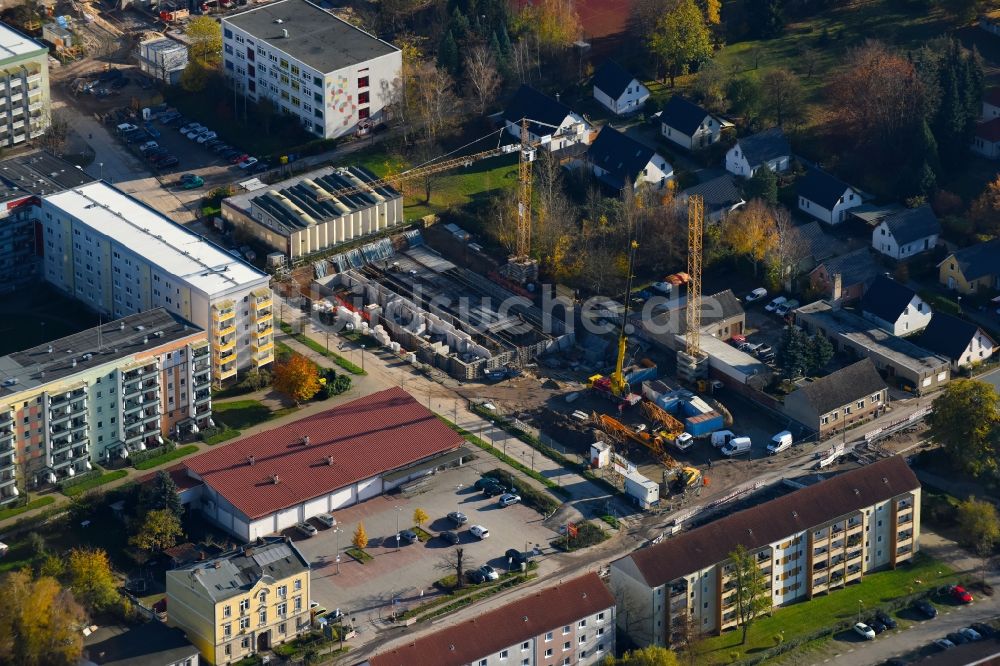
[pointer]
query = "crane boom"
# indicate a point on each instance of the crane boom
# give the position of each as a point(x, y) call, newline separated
point(523, 242)
point(661, 416)
point(692, 334)
point(618, 384)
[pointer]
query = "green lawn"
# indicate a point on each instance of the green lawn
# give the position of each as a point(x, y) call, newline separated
point(240, 414)
point(33, 504)
point(167, 457)
point(94, 482)
point(320, 349)
point(806, 617)
point(227, 434)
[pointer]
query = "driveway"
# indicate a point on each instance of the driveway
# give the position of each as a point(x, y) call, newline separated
point(398, 577)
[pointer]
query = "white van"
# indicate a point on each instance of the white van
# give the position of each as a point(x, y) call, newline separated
point(780, 442)
point(737, 446)
point(721, 437)
point(684, 441)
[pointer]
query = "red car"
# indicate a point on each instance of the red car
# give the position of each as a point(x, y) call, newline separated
point(236, 159)
point(960, 594)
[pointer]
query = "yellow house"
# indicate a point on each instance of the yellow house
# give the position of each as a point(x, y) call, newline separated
point(243, 602)
point(972, 269)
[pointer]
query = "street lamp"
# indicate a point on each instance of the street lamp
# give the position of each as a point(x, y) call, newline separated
point(362, 358)
point(337, 531)
point(861, 605)
point(398, 510)
point(101, 164)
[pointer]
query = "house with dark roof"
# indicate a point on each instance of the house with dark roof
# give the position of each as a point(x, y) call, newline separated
point(972, 269)
point(574, 620)
point(833, 402)
point(688, 125)
point(149, 644)
point(824, 536)
point(826, 197)
point(872, 214)
point(267, 482)
point(721, 195)
point(618, 90)
point(991, 103)
point(550, 122)
point(962, 342)
point(769, 148)
point(986, 138)
point(907, 233)
point(722, 317)
point(894, 307)
point(808, 246)
point(846, 277)
point(617, 159)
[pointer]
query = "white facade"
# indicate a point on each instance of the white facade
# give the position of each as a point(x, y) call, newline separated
point(914, 317)
point(330, 104)
point(738, 165)
point(656, 172)
point(884, 242)
point(848, 200)
point(980, 349)
point(990, 111)
point(985, 147)
point(707, 133)
point(630, 101)
point(572, 130)
point(119, 257)
point(24, 88)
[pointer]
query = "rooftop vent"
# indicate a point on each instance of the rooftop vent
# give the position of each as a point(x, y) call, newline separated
point(284, 33)
point(885, 480)
point(749, 531)
point(305, 440)
point(329, 460)
point(525, 618)
point(251, 460)
point(217, 564)
point(74, 362)
point(795, 514)
point(275, 479)
point(49, 349)
point(145, 339)
point(278, 21)
point(138, 328)
point(857, 492)
point(121, 326)
point(451, 647)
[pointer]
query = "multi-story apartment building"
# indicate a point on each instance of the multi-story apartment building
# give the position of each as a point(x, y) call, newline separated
point(242, 602)
point(22, 180)
point(97, 394)
point(570, 624)
point(808, 542)
point(334, 78)
point(119, 257)
point(24, 87)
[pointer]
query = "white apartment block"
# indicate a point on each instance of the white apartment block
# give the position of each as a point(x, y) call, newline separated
point(335, 78)
point(570, 624)
point(97, 395)
point(24, 87)
point(808, 542)
point(120, 257)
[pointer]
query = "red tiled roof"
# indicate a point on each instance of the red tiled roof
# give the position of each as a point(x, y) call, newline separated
point(178, 473)
point(992, 96)
point(366, 437)
point(518, 621)
point(772, 521)
point(989, 131)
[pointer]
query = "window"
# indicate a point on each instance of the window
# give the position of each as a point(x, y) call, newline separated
point(228, 610)
point(244, 606)
point(262, 597)
point(283, 63)
point(525, 662)
point(295, 70)
point(600, 617)
point(548, 653)
point(262, 616)
point(282, 628)
point(503, 654)
point(861, 404)
point(363, 82)
point(363, 98)
point(566, 629)
point(582, 639)
point(566, 646)
point(482, 662)
point(297, 585)
point(229, 650)
point(282, 609)
point(548, 637)
point(582, 624)
point(363, 113)
point(227, 630)
point(525, 645)
point(227, 33)
point(244, 623)
point(297, 604)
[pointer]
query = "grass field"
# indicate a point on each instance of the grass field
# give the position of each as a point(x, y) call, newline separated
point(33, 504)
point(95, 482)
point(806, 617)
point(227, 434)
point(167, 457)
point(240, 414)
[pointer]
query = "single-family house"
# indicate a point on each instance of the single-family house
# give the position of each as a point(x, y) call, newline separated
point(845, 278)
point(831, 403)
point(894, 307)
point(990, 22)
point(617, 159)
point(972, 268)
point(722, 195)
point(769, 148)
point(688, 125)
point(809, 245)
point(826, 197)
point(907, 233)
point(722, 317)
point(872, 214)
point(617, 90)
point(991, 103)
point(986, 139)
point(550, 122)
point(961, 341)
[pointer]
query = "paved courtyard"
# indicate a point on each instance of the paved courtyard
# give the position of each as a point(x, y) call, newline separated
point(407, 575)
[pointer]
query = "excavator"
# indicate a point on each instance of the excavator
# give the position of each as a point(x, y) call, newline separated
point(615, 387)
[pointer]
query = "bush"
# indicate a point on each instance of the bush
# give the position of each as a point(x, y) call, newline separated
point(530, 496)
point(587, 535)
point(140, 456)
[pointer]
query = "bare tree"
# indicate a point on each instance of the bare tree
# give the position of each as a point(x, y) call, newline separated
point(633, 616)
point(424, 153)
point(788, 248)
point(436, 103)
point(54, 139)
point(454, 561)
point(555, 215)
point(482, 76)
point(524, 59)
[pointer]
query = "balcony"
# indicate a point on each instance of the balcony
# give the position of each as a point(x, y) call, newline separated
point(224, 346)
point(265, 329)
point(856, 555)
point(6, 419)
point(220, 316)
point(35, 78)
point(201, 397)
point(905, 518)
point(819, 566)
point(228, 328)
point(16, 97)
point(200, 352)
point(262, 303)
point(204, 409)
point(131, 407)
point(259, 347)
point(226, 371)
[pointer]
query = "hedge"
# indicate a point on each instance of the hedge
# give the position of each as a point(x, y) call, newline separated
point(537, 499)
point(91, 482)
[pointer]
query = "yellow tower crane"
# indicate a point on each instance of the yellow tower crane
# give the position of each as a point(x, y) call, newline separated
point(692, 362)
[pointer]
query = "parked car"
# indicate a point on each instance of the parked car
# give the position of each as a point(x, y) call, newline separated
point(756, 295)
point(985, 630)
point(450, 536)
point(212, 143)
point(926, 609)
point(721, 437)
point(942, 643)
point(662, 287)
point(207, 136)
point(247, 163)
point(489, 572)
point(148, 146)
point(876, 626)
point(786, 307)
point(480, 532)
point(305, 529)
point(773, 305)
point(476, 576)
point(971, 634)
point(780, 442)
point(458, 518)
point(238, 157)
point(152, 131)
point(957, 638)
point(327, 519)
point(864, 631)
point(494, 490)
point(516, 557)
point(190, 127)
point(481, 483)
point(221, 147)
point(169, 162)
point(409, 536)
point(763, 350)
point(125, 128)
point(959, 593)
point(886, 619)
point(193, 182)
point(508, 499)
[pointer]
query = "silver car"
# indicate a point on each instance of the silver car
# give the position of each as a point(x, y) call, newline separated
point(327, 519)
point(305, 529)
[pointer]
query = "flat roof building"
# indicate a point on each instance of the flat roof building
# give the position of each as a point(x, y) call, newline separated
point(807, 542)
point(97, 395)
point(24, 87)
point(266, 483)
point(916, 368)
point(336, 79)
point(316, 211)
point(119, 256)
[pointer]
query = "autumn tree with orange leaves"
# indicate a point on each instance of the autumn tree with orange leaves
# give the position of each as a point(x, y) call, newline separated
point(297, 377)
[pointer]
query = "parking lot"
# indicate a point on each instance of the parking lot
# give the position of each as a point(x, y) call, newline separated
point(407, 575)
